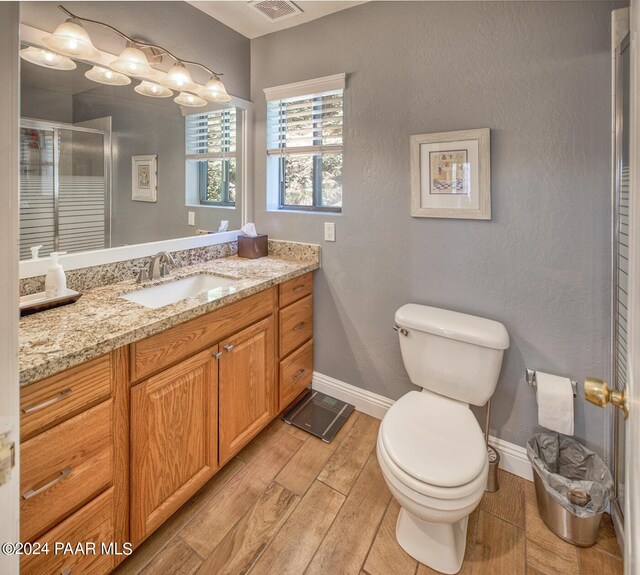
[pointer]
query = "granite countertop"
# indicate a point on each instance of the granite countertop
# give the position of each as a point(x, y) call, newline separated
point(100, 321)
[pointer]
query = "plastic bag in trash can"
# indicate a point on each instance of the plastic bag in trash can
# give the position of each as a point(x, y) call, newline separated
point(568, 470)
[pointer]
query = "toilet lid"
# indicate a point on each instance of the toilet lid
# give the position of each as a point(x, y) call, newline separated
point(434, 439)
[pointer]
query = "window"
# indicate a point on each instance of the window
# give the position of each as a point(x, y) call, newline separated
point(211, 156)
point(304, 144)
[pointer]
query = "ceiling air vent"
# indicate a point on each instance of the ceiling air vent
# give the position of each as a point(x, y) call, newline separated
point(276, 10)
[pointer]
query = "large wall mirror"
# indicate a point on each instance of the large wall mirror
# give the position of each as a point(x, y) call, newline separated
point(92, 156)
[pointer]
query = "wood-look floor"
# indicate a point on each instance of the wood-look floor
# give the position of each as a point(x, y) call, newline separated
point(290, 504)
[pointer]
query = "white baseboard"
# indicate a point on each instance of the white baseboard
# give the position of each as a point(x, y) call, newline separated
point(513, 458)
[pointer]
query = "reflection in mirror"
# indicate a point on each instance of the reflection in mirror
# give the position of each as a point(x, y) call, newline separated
point(77, 141)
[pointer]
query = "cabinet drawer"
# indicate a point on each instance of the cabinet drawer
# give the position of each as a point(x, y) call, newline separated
point(59, 397)
point(295, 373)
point(152, 354)
point(92, 524)
point(63, 468)
point(295, 289)
point(296, 325)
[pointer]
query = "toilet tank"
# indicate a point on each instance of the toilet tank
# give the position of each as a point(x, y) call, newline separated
point(450, 353)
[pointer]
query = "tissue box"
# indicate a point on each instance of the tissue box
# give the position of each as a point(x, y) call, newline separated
point(253, 247)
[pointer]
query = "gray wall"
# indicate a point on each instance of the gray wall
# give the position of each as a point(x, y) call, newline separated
point(141, 126)
point(46, 104)
point(538, 75)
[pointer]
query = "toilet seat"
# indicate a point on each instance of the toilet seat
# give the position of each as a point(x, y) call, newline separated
point(433, 495)
point(434, 442)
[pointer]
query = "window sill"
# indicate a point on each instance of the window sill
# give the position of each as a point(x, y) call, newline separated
point(210, 206)
point(303, 212)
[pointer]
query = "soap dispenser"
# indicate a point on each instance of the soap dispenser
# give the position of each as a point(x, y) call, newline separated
point(55, 282)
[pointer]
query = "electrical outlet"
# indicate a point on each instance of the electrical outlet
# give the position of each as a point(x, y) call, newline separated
point(191, 218)
point(329, 232)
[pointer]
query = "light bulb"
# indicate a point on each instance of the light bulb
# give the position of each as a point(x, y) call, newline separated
point(178, 78)
point(106, 76)
point(214, 90)
point(189, 100)
point(152, 90)
point(132, 62)
point(71, 39)
point(47, 59)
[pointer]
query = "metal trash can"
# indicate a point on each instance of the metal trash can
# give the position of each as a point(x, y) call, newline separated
point(573, 486)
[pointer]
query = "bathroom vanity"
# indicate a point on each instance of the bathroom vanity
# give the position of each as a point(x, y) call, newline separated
point(114, 445)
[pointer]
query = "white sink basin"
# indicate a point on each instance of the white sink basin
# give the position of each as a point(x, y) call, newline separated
point(172, 292)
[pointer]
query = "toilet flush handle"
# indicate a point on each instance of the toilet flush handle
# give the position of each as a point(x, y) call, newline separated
point(401, 330)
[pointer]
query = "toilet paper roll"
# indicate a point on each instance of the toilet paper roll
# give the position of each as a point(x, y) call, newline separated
point(555, 402)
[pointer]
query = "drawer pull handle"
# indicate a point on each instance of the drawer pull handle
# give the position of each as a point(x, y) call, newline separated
point(217, 354)
point(67, 571)
point(298, 374)
point(299, 326)
point(33, 492)
point(55, 399)
point(228, 347)
point(298, 288)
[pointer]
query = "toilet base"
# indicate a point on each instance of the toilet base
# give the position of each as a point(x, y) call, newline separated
point(440, 546)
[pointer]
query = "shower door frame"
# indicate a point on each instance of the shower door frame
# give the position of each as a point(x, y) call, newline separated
point(56, 127)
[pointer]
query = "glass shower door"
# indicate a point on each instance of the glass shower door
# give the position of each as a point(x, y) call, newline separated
point(64, 202)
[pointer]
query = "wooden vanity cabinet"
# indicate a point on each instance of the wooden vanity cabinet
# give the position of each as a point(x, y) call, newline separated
point(247, 386)
point(174, 439)
point(202, 407)
point(75, 464)
point(113, 447)
point(295, 347)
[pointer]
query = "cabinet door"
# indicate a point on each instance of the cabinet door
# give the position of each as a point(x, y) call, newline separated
point(247, 386)
point(173, 439)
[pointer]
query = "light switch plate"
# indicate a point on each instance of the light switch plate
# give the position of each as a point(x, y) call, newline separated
point(329, 232)
point(191, 220)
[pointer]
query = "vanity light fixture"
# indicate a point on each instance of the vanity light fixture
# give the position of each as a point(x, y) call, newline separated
point(152, 90)
point(214, 91)
point(178, 78)
point(47, 59)
point(189, 100)
point(70, 38)
point(106, 76)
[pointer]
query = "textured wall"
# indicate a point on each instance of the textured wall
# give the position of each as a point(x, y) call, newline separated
point(45, 104)
point(538, 75)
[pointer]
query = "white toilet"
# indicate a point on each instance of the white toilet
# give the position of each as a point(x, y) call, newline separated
point(430, 447)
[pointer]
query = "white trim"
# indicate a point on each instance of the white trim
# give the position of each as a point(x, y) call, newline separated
point(306, 87)
point(513, 458)
point(632, 431)
point(31, 268)
point(9, 386)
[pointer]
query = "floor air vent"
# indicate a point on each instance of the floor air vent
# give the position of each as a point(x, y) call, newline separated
point(276, 9)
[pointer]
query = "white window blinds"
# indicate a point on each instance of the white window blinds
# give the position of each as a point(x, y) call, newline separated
point(211, 135)
point(306, 118)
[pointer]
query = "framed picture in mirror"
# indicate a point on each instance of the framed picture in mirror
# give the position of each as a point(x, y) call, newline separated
point(451, 175)
point(144, 178)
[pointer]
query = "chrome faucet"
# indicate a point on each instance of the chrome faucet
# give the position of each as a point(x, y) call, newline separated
point(160, 265)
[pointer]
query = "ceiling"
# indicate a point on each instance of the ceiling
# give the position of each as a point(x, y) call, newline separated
point(243, 18)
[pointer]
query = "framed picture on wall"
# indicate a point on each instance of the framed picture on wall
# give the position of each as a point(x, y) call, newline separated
point(144, 178)
point(451, 175)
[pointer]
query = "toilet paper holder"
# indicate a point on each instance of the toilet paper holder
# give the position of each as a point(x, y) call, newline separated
point(530, 376)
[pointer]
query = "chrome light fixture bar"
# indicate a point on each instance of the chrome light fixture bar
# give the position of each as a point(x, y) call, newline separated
point(71, 39)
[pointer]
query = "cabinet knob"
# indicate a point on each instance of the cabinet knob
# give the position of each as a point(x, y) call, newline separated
point(228, 347)
point(217, 354)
